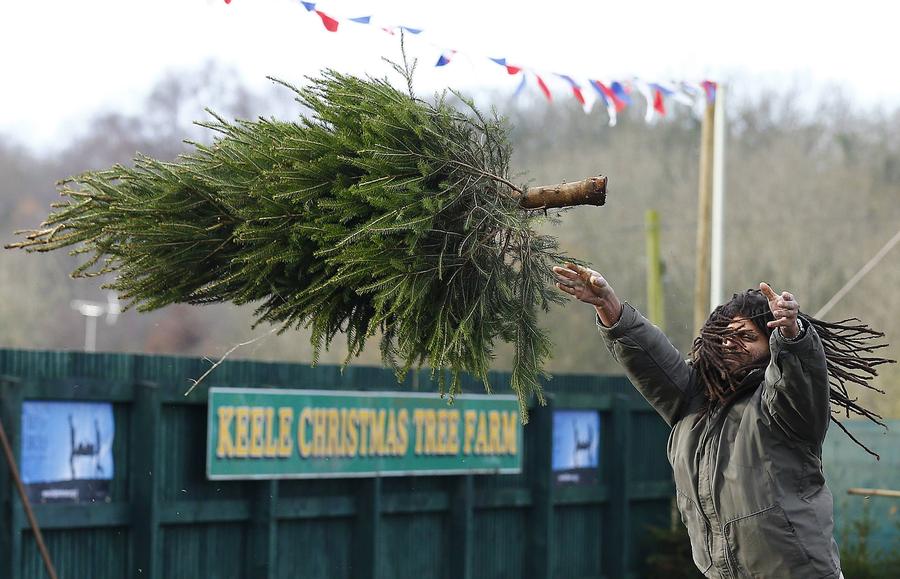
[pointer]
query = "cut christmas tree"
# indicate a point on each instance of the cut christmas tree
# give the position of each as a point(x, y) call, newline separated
point(374, 214)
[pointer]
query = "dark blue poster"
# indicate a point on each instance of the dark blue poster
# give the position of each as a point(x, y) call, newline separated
point(576, 446)
point(67, 450)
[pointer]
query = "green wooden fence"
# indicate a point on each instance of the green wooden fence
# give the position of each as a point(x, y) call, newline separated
point(164, 519)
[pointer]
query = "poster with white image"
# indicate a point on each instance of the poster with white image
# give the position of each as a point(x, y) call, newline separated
point(576, 446)
point(67, 450)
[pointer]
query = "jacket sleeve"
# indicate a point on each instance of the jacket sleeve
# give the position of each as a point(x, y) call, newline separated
point(652, 363)
point(796, 386)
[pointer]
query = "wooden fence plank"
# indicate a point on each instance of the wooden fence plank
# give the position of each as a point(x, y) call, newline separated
point(541, 551)
point(462, 527)
point(617, 530)
point(13, 519)
point(368, 528)
point(146, 546)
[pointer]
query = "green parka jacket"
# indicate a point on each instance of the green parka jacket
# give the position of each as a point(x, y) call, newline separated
point(748, 476)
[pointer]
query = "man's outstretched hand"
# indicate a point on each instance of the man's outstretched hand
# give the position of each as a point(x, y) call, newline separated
point(590, 287)
point(785, 309)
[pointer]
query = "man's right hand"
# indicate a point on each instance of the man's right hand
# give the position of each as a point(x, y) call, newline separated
point(590, 287)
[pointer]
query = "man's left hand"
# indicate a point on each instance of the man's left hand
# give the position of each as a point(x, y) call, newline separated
point(785, 309)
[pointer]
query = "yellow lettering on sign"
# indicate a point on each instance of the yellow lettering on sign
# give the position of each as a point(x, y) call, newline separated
point(364, 431)
point(430, 432)
point(256, 431)
point(376, 434)
point(391, 437)
point(337, 432)
point(334, 423)
point(510, 433)
point(352, 431)
point(402, 432)
point(225, 446)
point(343, 451)
point(442, 431)
point(453, 432)
point(419, 425)
point(270, 449)
point(285, 421)
point(470, 416)
point(481, 436)
point(393, 434)
point(320, 424)
point(306, 419)
point(494, 435)
point(242, 431)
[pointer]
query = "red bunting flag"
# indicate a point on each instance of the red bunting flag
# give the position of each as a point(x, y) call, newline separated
point(659, 104)
point(510, 69)
point(543, 86)
point(608, 98)
point(331, 25)
point(576, 89)
point(607, 92)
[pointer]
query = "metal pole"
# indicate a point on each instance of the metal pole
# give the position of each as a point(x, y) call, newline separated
point(704, 217)
point(90, 334)
point(716, 291)
point(14, 471)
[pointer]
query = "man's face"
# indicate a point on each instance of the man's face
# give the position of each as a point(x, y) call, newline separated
point(755, 344)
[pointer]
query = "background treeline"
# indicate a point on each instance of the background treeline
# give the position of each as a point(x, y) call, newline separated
point(813, 191)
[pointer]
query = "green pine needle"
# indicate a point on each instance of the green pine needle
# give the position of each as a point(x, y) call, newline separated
point(377, 213)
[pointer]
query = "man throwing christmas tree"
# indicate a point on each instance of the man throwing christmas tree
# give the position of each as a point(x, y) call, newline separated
point(749, 411)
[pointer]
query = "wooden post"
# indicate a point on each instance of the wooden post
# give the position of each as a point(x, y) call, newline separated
point(655, 308)
point(704, 220)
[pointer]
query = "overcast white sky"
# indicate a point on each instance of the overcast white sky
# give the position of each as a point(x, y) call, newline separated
point(63, 61)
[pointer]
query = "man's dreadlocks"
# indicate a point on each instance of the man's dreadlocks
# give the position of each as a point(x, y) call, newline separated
point(849, 346)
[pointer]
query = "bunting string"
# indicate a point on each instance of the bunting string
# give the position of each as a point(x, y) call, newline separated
point(616, 95)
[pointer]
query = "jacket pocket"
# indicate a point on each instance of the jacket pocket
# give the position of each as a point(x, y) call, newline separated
point(765, 544)
point(698, 530)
